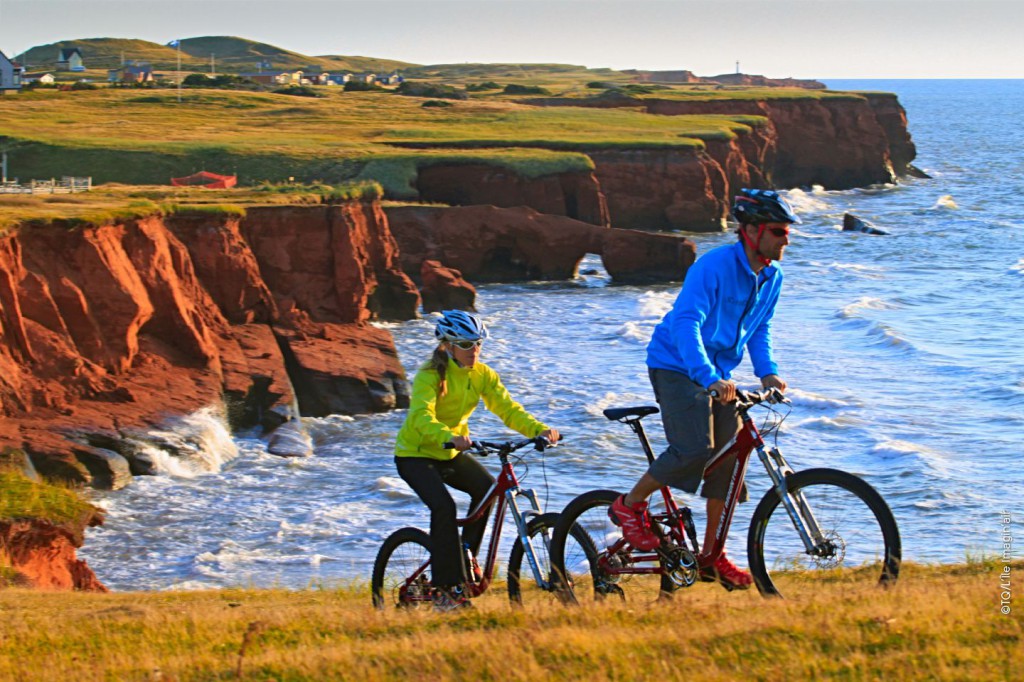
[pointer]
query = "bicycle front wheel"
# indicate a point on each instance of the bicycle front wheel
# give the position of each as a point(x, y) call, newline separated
point(400, 558)
point(861, 539)
point(579, 553)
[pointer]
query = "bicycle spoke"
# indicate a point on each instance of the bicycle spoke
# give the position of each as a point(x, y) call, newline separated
point(860, 542)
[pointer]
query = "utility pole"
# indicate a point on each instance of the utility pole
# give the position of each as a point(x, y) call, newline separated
point(213, 65)
point(3, 168)
point(737, 67)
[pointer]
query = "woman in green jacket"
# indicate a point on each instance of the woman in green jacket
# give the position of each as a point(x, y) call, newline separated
point(445, 393)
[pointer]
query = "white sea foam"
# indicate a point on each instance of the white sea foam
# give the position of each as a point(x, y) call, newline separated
point(393, 488)
point(806, 399)
point(637, 332)
point(1018, 268)
point(852, 269)
point(823, 424)
point(946, 201)
point(199, 443)
point(853, 310)
point(618, 400)
point(802, 201)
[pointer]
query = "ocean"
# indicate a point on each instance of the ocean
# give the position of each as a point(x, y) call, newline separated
point(902, 353)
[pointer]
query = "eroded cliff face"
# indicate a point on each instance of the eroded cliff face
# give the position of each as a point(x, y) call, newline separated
point(42, 555)
point(836, 142)
point(488, 244)
point(574, 195)
point(108, 330)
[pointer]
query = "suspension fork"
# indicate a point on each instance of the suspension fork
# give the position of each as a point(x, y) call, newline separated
point(795, 503)
point(522, 520)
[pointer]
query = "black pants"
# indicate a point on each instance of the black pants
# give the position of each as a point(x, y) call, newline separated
point(427, 477)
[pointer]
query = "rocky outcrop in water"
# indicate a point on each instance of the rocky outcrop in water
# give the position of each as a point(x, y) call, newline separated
point(107, 331)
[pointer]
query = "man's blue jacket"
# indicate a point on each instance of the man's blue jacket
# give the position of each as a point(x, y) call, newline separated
point(722, 308)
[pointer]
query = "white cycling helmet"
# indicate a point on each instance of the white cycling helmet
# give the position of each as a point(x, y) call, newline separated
point(457, 325)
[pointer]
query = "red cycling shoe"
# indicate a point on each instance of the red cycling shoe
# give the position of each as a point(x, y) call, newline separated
point(727, 574)
point(635, 523)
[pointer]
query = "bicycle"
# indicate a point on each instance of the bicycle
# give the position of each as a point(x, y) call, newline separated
point(831, 521)
point(401, 571)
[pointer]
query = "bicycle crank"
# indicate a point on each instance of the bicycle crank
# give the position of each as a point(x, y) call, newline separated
point(680, 565)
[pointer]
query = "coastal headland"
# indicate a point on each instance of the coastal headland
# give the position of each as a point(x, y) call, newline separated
point(134, 305)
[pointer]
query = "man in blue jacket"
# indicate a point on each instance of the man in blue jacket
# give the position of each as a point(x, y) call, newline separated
point(726, 305)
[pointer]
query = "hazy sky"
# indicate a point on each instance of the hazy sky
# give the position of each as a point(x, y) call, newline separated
point(779, 38)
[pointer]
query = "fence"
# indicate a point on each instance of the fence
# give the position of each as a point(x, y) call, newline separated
point(66, 185)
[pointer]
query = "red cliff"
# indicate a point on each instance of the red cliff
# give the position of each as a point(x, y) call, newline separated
point(109, 329)
point(42, 555)
point(491, 244)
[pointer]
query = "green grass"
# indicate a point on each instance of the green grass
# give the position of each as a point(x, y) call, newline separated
point(111, 203)
point(122, 136)
point(21, 498)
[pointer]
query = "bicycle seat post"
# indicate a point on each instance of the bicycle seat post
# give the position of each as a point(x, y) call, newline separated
point(638, 429)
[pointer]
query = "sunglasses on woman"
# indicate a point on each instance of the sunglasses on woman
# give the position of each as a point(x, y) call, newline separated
point(468, 345)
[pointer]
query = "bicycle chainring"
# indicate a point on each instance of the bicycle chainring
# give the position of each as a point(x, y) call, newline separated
point(680, 565)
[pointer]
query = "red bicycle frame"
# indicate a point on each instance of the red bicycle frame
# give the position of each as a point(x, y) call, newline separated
point(498, 496)
point(678, 520)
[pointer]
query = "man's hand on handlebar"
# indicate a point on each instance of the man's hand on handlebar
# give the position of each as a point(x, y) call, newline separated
point(723, 390)
point(774, 381)
point(461, 443)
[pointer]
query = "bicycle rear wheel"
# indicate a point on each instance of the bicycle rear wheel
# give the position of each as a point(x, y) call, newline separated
point(862, 539)
point(579, 547)
point(403, 553)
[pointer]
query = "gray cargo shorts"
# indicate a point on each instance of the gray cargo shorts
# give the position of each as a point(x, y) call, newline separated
point(695, 426)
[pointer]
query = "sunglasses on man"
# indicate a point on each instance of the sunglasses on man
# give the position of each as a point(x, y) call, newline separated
point(779, 231)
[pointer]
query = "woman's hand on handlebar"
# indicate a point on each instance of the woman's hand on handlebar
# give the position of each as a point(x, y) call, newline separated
point(551, 435)
point(461, 443)
point(723, 390)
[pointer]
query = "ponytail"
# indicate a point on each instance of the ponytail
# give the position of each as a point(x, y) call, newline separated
point(439, 362)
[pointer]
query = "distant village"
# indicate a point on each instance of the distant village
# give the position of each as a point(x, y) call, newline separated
point(14, 76)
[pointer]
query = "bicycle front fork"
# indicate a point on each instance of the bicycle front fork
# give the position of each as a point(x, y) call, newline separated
point(522, 519)
point(795, 503)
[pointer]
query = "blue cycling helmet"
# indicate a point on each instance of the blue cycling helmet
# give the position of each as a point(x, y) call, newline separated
point(757, 206)
point(457, 325)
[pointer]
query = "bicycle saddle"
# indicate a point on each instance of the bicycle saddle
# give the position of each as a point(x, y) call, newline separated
point(617, 413)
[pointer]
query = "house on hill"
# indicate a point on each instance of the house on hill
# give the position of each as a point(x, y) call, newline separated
point(10, 75)
point(274, 77)
point(70, 59)
point(131, 73)
point(41, 77)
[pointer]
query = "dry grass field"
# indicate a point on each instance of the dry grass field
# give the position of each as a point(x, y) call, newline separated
point(937, 623)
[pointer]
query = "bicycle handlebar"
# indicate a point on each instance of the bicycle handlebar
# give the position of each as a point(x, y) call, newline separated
point(747, 399)
point(482, 448)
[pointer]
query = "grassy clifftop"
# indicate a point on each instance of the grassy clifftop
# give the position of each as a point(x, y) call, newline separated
point(938, 623)
point(131, 136)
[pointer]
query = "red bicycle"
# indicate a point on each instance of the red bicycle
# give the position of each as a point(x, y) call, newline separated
point(401, 572)
point(824, 521)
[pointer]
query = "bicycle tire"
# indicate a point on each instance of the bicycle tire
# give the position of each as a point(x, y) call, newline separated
point(538, 526)
point(850, 513)
point(582, 533)
point(401, 554)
